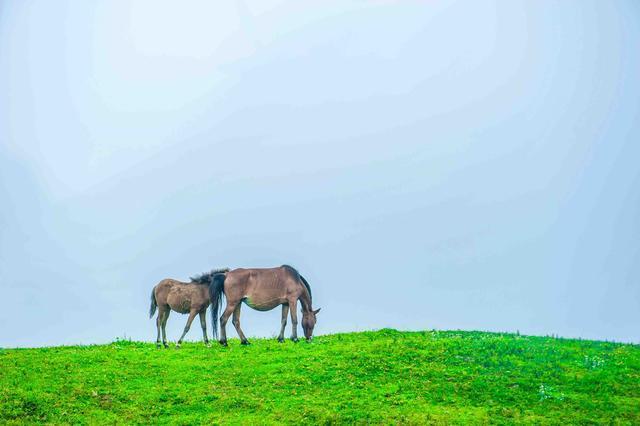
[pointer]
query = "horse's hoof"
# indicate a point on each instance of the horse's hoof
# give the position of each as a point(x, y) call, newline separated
point(208, 344)
point(223, 343)
point(294, 339)
point(177, 345)
point(280, 339)
point(245, 342)
point(166, 346)
point(158, 345)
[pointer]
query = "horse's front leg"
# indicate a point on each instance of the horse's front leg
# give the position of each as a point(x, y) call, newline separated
point(294, 319)
point(283, 321)
point(223, 323)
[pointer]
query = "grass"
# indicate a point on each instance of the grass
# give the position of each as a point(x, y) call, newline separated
point(387, 376)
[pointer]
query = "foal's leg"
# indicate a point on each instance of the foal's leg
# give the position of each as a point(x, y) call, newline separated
point(165, 316)
point(203, 324)
point(294, 320)
point(223, 323)
point(192, 315)
point(159, 326)
point(236, 324)
point(283, 322)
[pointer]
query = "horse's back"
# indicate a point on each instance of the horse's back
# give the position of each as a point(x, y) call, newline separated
point(250, 277)
point(261, 288)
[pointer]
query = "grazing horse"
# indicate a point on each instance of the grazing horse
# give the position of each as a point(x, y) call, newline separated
point(262, 290)
point(191, 298)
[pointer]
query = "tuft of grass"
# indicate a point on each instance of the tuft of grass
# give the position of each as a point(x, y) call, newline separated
point(385, 376)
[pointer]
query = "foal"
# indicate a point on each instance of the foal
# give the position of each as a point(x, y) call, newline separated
point(191, 298)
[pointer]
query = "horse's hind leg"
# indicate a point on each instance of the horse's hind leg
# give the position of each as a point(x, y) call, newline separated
point(223, 323)
point(192, 315)
point(283, 322)
point(236, 324)
point(203, 324)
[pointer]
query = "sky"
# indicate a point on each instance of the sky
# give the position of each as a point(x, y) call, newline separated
point(424, 164)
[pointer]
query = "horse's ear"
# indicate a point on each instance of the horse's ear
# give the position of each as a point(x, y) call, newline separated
point(316, 311)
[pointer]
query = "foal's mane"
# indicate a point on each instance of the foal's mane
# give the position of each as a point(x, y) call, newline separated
point(206, 277)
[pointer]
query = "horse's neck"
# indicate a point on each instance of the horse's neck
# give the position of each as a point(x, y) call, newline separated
point(305, 301)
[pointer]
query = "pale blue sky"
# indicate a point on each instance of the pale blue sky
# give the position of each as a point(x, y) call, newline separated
point(437, 164)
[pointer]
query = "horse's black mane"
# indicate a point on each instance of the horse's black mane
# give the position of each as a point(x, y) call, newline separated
point(206, 277)
point(295, 272)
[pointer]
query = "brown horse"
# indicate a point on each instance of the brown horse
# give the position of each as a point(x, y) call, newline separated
point(263, 290)
point(191, 298)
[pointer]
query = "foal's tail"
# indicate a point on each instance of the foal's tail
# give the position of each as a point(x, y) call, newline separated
point(154, 305)
point(216, 290)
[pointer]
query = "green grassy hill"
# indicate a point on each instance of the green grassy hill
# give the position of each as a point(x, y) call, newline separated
point(385, 376)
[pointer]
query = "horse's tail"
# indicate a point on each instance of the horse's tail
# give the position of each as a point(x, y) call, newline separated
point(154, 304)
point(216, 290)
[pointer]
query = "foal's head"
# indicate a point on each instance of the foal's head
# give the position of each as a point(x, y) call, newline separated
point(308, 322)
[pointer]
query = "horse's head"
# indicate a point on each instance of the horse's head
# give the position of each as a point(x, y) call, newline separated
point(309, 322)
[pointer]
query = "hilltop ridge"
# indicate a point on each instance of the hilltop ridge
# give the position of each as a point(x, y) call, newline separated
point(382, 376)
